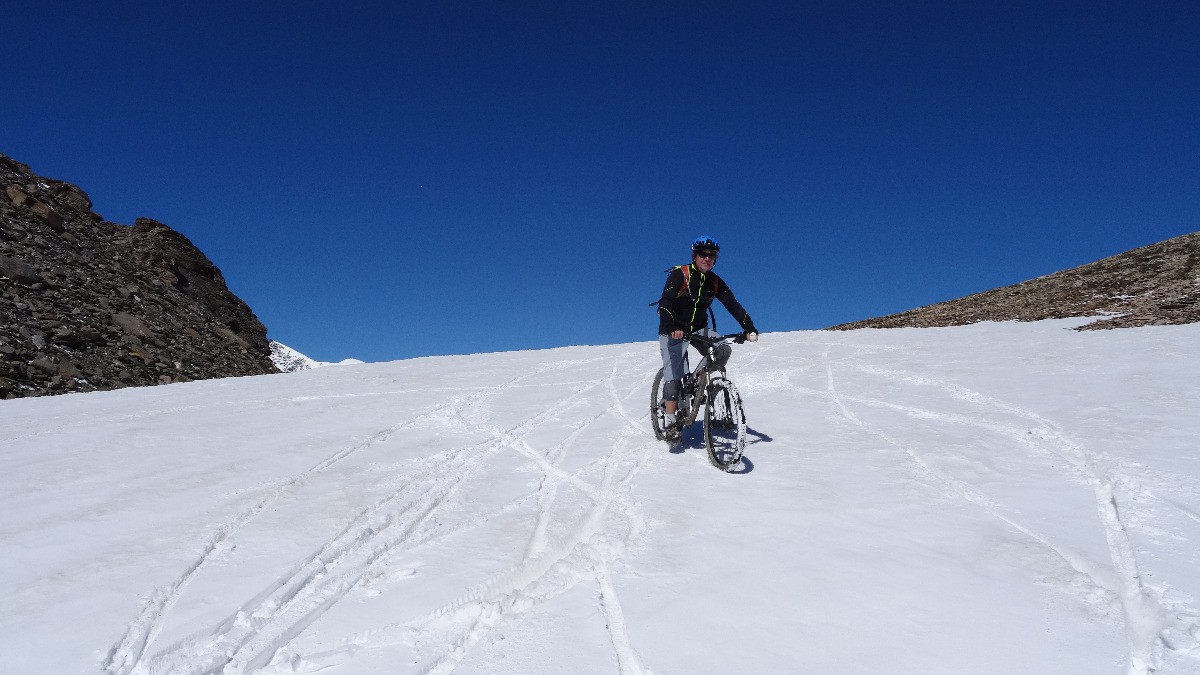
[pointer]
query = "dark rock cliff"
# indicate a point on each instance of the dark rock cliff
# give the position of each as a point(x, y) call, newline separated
point(86, 304)
point(1153, 285)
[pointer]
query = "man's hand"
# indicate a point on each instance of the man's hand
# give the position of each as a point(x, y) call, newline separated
point(752, 337)
point(676, 335)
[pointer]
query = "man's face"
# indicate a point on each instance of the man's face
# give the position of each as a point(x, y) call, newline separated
point(704, 259)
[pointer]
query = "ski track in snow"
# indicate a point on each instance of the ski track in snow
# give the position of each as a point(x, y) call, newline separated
point(1152, 623)
point(253, 636)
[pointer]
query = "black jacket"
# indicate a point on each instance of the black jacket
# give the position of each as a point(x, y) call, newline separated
point(686, 309)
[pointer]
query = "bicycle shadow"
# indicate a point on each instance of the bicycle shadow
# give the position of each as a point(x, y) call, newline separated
point(759, 437)
point(693, 439)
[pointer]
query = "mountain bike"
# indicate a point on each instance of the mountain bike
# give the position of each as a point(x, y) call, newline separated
point(705, 387)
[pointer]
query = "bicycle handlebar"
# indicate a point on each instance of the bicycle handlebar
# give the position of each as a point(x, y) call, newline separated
point(714, 340)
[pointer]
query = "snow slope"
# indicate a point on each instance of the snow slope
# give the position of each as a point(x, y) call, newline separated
point(289, 360)
point(997, 498)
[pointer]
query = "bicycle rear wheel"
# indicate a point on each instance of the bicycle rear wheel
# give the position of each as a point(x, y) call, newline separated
point(656, 412)
point(724, 424)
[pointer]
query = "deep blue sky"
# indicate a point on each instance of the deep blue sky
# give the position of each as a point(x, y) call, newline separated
point(391, 179)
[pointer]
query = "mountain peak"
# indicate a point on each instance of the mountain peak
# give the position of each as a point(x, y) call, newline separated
point(288, 360)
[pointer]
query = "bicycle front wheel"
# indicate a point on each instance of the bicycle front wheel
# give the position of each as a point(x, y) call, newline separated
point(724, 424)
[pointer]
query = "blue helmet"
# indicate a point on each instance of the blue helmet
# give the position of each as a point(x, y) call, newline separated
point(705, 241)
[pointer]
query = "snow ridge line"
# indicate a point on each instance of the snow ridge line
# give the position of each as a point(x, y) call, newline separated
point(1146, 622)
point(125, 657)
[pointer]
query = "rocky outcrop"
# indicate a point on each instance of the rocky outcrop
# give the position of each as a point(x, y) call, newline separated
point(1153, 285)
point(86, 304)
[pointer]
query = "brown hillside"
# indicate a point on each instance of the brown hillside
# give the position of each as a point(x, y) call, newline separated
point(1153, 285)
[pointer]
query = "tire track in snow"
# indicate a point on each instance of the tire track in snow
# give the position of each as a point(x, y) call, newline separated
point(627, 661)
point(1147, 622)
point(377, 636)
point(252, 637)
point(481, 618)
point(548, 570)
point(563, 565)
point(1152, 624)
point(125, 657)
point(960, 488)
point(552, 477)
point(627, 658)
point(1049, 432)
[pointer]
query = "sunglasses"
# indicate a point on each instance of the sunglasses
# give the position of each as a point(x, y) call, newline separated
point(706, 254)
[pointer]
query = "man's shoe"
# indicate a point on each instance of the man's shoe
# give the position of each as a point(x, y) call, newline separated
point(671, 428)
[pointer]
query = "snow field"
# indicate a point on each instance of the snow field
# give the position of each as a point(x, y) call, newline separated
point(995, 498)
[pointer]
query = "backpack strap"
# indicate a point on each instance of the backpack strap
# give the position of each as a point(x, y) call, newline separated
point(687, 278)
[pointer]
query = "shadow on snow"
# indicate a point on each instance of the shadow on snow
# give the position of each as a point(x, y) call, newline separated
point(693, 439)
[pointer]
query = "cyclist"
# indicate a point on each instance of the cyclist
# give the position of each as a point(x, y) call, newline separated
point(684, 308)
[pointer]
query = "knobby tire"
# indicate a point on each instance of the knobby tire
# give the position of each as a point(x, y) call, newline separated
point(724, 424)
